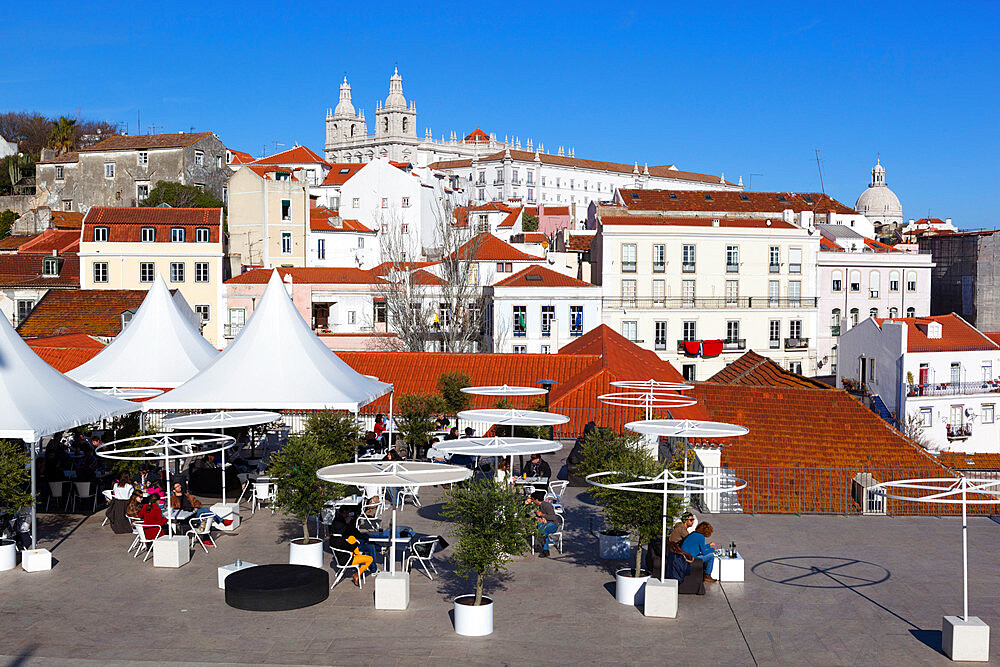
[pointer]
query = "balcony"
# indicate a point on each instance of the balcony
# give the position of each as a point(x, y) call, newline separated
point(796, 343)
point(835, 330)
point(873, 294)
point(963, 432)
point(795, 268)
point(953, 388)
point(707, 302)
point(520, 334)
point(687, 267)
point(774, 344)
point(774, 268)
point(732, 268)
point(231, 330)
point(708, 347)
point(659, 267)
point(628, 267)
point(734, 344)
point(498, 181)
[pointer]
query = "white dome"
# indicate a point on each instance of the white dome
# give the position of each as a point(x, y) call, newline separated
point(878, 201)
point(344, 106)
point(395, 100)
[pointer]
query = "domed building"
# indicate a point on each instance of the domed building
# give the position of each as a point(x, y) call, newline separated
point(881, 205)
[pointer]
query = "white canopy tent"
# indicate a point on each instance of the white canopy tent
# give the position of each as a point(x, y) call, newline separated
point(275, 362)
point(37, 400)
point(159, 348)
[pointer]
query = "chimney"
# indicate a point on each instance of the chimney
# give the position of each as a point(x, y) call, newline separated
point(788, 215)
point(947, 221)
point(715, 222)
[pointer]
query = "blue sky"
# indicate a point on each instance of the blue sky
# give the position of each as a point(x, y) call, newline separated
point(736, 88)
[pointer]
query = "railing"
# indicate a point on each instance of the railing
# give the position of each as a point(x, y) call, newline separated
point(835, 330)
point(953, 388)
point(732, 268)
point(963, 432)
point(796, 343)
point(232, 329)
point(659, 267)
point(687, 267)
point(710, 302)
point(774, 268)
point(734, 344)
point(774, 343)
point(520, 334)
point(873, 294)
point(628, 267)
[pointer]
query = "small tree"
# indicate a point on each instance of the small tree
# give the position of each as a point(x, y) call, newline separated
point(529, 223)
point(15, 476)
point(450, 385)
point(492, 525)
point(416, 418)
point(180, 196)
point(336, 431)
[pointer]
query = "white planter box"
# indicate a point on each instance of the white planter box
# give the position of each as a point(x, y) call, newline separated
point(392, 590)
point(227, 511)
point(306, 554)
point(628, 589)
point(171, 551)
point(614, 547)
point(227, 570)
point(471, 620)
point(660, 598)
point(8, 555)
point(36, 560)
point(965, 640)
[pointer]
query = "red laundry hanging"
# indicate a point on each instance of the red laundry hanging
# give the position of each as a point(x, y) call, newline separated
point(692, 347)
point(711, 348)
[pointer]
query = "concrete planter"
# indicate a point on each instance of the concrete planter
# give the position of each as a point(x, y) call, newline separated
point(306, 554)
point(471, 620)
point(614, 545)
point(628, 589)
point(8, 555)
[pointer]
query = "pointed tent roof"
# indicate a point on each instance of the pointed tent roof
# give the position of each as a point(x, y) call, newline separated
point(276, 362)
point(159, 348)
point(37, 400)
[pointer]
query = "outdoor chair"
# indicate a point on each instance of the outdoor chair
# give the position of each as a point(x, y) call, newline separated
point(57, 491)
point(201, 531)
point(558, 535)
point(108, 499)
point(144, 542)
point(85, 491)
point(263, 492)
point(135, 532)
point(422, 551)
point(408, 492)
point(368, 516)
point(556, 491)
point(343, 561)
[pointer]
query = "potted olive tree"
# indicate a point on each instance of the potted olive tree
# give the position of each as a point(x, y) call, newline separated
point(14, 494)
point(599, 448)
point(328, 439)
point(450, 385)
point(492, 525)
point(416, 419)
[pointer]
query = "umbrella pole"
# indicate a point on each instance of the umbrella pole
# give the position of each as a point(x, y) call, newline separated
point(32, 447)
point(392, 544)
point(965, 556)
point(663, 534)
point(222, 457)
point(166, 470)
point(390, 425)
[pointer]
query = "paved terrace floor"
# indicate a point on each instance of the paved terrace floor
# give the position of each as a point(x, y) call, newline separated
point(819, 590)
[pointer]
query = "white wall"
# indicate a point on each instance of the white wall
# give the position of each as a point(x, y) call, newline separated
point(533, 298)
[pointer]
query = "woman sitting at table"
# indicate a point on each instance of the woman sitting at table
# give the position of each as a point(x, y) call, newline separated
point(134, 503)
point(351, 544)
point(345, 526)
point(503, 471)
point(697, 545)
point(151, 518)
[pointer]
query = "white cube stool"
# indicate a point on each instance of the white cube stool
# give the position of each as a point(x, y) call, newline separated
point(392, 590)
point(661, 598)
point(227, 511)
point(226, 570)
point(729, 569)
point(36, 560)
point(171, 551)
point(965, 639)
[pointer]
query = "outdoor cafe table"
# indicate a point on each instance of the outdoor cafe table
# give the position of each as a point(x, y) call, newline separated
point(382, 538)
point(540, 483)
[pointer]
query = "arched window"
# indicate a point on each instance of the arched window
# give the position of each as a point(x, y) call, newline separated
point(838, 280)
point(833, 359)
point(893, 312)
point(385, 123)
point(894, 281)
point(352, 129)
point(873, 312)
point(911, 281)
point(835, 318)
point(873, 284)
point(911, 312)
point(854, 317)
point(406, 124)
point(855, 285)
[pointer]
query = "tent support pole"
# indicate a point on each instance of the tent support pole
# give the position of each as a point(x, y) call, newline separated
point(33, 448)
point(390, 425)
point(170, 489)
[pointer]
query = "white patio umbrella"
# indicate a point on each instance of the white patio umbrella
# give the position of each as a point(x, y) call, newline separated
point(393, 473)
point(497, 446)
point(504, 390)
point(513, 417)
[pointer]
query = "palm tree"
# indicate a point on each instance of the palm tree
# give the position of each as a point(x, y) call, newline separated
point(63, 135)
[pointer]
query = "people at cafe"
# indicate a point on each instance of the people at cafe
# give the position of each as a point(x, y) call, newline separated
point(352, 545)
point(151, 518)
point(545, 515)
point(345, 525)
point(134, 505)
point(443, 422)
point(188, 503)
point(145, 477)
point(469, 432)
point(681, 528)
point(537, 467)
point(697, 545)
point(452, 433)
point(379, 426)
point(502, 474)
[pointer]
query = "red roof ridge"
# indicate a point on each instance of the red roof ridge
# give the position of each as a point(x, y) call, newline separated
point(548, 278)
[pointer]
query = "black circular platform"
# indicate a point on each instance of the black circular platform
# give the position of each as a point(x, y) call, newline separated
point(277, 587)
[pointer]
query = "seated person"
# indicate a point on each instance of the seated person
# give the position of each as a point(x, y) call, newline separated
point(469, 432)
point(155, 488)
point(152, 518)
point(188, 503)
point(697, 545)
point(121, 489)
point(537, 467)
point(545, 515)
point(379, 426)
point(351, 545)
point(345, 526)
point(452, 433)
point(134, 504)
point(145, 477)
point(436, 455)
point(502, 474)
point(681, 528)
point(443, 422)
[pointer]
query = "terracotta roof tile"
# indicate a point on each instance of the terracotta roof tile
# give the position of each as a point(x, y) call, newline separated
point(341, 172)
point(960, 461)
point(65, 158)
point(263, 170)
point(26, 271)
point(60, 240)
point(488, 248)
point(64, 353)
point(296, 155)
point(125, 223)
point(93, 312)
point(67, 219)
point(957, 335)
point(580, 242)
point(828, 245)
point(241, 157)
point(477, 136)
point(667, 221)
point(319, 221)
point(15, 242)
point(511, 218)
point(753, 369)
point(733, 201)
point(540, 276)
point(308, 275)
point(142, 141)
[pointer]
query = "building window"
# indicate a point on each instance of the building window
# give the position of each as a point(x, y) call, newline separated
point(911, 312)
point(100, 234)
point(320, 248)
point(630, 329)
point(201, 235)
point(894, 281)
point(659, 258)
point(957, 416)
point(520, 321)
point(286, 243)
point(505, 267)
point(286, 209)
point(855, 281)
point(795, 329)
point(628, 258)
point(795, 260)
point(67, 204)
point(545, 348)
point(380, 312)
point(732, 259)
point(773, 293)
point(687, 370)
point(893, 312)
point(687, 293)
point(629, 293)
point(774, 259)
point(204, 310)
point(854, 317)
point(835, 322)
point(406, 202)
point(176, 272)
point(177, 235)
point(141, 191)
point(926, 417)
point(201, 272)
point(660, 335)
point(873, 312)
point(732, 293)
point(520, 349)
point(911, 281)
point(794, 293)
point(548, 314)
point(109, 170)
point(385, 202)
point(576, 320)
point(873, 284)
point(147, 272)
point(143, 157)
point(687, 259)
point(689, 330)
point(23, 310)
point(838, 281)
point(100, 272)
point(774, 334)
point(356, 202)
point(50, 266)
point(60, 172)
point(199, 158)
point(352, 317)
point(218, 162)
point(473, 275)
point(795, 367)
point(659, 291)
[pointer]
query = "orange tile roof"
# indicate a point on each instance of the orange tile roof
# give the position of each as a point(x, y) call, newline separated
point(878, 246)
point(67, 219)
point(241, 157)
point(957, 335)
point(540, 276)
point(960, 461)
point(309, 275)
point(580, 242)
point(729, 200)
point(94, 312)
point(477, 136)
point(65, 158)
point(511, 217)
point(666, 221)
point(488, 248)
point(461, 213)
point(753, 369)
point(125, 223)
point(548, 210)
point(425, 277)
point(993, 336)
point(530, 237)
point(319, 221)
point(827, 244)
point(122, 142)
point(341, 172)
point(295, 155)
point(60, 240)
point(15, 242)
point(64, 353)
point(26, 271)
point(263, 171)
